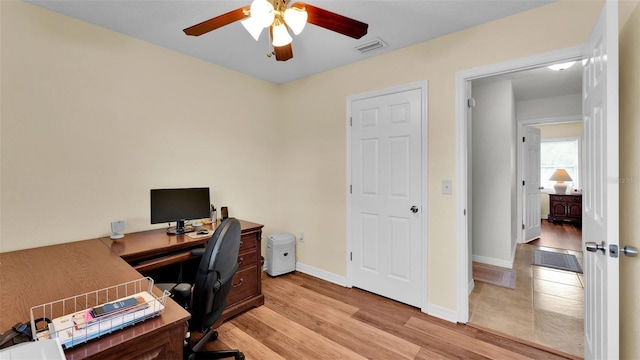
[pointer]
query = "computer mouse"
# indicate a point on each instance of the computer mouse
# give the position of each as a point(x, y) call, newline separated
point(203, 232)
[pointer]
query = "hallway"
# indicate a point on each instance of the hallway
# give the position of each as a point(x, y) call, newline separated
point(546, 306)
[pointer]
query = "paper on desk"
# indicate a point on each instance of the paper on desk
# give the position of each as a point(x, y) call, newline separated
point(43, 350)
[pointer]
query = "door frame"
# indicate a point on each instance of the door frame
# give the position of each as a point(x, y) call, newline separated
point(464, 279)
point(522, 159)
point(423, 86)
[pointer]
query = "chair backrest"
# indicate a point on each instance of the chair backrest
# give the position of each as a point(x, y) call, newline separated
point(215, 274)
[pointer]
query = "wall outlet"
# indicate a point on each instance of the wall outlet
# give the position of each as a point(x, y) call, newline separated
point(301, 237)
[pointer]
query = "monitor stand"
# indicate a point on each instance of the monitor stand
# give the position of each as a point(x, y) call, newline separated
point(180, 228)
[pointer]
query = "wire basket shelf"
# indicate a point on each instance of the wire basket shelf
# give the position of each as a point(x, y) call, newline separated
point(80, 318)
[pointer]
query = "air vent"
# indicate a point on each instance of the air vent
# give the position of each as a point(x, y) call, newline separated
point(372, 45)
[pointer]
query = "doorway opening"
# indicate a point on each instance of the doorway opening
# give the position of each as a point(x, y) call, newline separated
point(533, 307)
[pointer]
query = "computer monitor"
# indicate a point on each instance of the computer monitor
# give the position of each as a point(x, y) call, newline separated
point(179, 205)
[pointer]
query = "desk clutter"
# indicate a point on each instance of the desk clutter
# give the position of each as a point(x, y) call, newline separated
point(84, 317)
point(200, 234)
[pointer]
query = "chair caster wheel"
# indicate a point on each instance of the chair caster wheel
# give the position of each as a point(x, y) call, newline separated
point(240, 356)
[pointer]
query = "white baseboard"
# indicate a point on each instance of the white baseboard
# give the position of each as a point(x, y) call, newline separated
point(493, 261)
point(433, 310)
point(472, 285)
point(322, 274)
point(442, 313)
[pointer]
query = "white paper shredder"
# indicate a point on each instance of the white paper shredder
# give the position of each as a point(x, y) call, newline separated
point(281, 254)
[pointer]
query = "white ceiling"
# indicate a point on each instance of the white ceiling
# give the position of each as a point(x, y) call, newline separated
point(542, 82)
point(397, 23)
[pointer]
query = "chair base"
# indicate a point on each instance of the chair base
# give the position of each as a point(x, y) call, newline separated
point(194, 353)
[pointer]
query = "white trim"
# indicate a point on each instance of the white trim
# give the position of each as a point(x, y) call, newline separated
point(508, 264)
point(321, 274)
point(431, 309)
point(423, 86)
point(462, 77)
point(441, 312)
point(494, 262)
point(472, 285)
point(552, 120)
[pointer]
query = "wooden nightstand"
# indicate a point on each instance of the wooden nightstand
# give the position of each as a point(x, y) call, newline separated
point(565, 208)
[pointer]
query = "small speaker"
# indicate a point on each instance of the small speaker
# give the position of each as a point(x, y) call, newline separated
point(224, 212)
point(117, 227)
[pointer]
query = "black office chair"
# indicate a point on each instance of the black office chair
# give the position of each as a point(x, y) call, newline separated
point(207, 298)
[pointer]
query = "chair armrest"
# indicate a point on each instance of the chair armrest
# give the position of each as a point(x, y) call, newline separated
point(182, 290)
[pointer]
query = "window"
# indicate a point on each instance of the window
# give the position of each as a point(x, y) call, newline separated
point(559, 153)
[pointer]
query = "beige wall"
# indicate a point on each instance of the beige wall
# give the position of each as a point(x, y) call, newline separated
point(314, 132)
point(630, 184)
point(92, 119)
point(549, 131)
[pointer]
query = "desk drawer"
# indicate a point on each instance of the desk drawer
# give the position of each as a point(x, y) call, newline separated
point(247, 260)
point(248, 242)
point(243, 285)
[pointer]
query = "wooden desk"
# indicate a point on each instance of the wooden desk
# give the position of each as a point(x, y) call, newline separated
point(36, 276)
point(150, 250)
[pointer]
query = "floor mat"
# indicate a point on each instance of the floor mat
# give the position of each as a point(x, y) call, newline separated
point(494, 275)
point(555, 260)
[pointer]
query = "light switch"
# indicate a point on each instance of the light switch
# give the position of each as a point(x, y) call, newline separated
point(446, 187)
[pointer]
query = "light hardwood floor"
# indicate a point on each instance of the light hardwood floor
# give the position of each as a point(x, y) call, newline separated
point(547, 305)
point(307, 318)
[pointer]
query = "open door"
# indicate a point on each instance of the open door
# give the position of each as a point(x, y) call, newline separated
point(601, 188)
point(531, 177)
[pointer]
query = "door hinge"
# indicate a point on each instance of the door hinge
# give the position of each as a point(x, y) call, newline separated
point(471, 102)
point(350, 189)
point(522, 226)
point(523, 139)
point(464, 212)
point(522, 182)
point(350, 121)
point(351, 256)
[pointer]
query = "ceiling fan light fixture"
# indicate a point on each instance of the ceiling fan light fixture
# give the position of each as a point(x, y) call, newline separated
point(281, 36)
point(252, 26)
point(561, 67)
point(296, 19)
point(262, 12)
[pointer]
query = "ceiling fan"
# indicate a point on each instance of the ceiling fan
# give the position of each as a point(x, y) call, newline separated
point(278, 16)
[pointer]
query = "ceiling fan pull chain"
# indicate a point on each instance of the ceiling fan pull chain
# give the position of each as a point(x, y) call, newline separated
point(270, 49)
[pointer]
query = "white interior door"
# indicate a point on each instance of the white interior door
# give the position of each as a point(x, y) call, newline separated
point(601, 196)
point(531, 177)
point(386, 175)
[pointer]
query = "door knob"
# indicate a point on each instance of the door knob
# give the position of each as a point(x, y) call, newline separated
point(593, 247)
point(630, 251)
point(414, 209)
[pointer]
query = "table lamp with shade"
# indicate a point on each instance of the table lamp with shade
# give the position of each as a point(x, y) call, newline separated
point(560, 176)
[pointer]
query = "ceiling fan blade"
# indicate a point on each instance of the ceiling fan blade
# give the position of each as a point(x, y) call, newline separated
point(334, 22)
point(283, 53)
point(217, 22)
